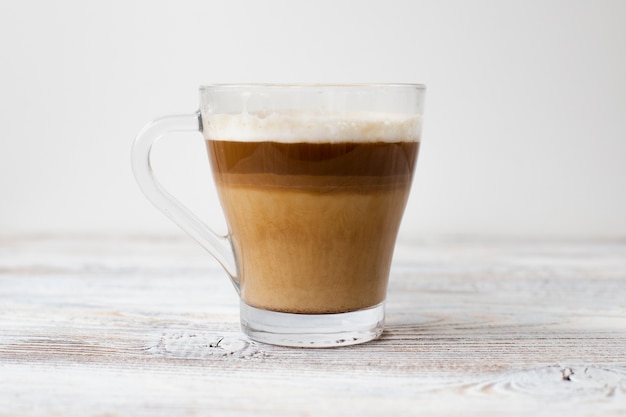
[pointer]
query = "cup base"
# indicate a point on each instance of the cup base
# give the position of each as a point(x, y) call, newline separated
point(312, 330)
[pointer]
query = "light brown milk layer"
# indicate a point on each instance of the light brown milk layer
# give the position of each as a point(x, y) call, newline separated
point(313, 225)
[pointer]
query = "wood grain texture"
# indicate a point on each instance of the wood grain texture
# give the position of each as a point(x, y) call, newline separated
point(139, 326)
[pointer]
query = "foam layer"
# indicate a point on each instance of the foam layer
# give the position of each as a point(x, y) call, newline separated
point(312, 127)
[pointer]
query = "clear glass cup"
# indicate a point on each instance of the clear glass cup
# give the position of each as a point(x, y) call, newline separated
point(313, 181)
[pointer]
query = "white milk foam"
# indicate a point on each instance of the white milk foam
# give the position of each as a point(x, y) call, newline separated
point(312, 127)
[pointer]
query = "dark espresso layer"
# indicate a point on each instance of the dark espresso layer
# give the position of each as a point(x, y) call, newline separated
point(313, 226)
point(378, 161)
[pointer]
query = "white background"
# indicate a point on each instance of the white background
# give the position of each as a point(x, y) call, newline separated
point(525, 124)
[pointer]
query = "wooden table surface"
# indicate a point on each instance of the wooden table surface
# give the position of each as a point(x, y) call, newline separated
point(141, 326)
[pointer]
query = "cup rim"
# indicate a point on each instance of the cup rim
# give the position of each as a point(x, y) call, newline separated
point(205, 87)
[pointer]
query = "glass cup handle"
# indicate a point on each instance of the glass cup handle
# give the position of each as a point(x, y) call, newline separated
point(218, 246)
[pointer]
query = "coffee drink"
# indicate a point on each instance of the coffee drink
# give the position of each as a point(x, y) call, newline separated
point(313, 204)
point(313, 180)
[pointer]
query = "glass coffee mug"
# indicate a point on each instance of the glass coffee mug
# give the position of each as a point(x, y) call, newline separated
point(313, 181)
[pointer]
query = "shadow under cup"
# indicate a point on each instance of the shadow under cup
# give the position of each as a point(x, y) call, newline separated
point(313, 182)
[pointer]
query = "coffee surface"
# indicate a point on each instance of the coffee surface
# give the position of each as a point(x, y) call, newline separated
point(313, 225)
point(312, 127)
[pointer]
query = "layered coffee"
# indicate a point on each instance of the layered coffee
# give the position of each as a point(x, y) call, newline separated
point(313, 206)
